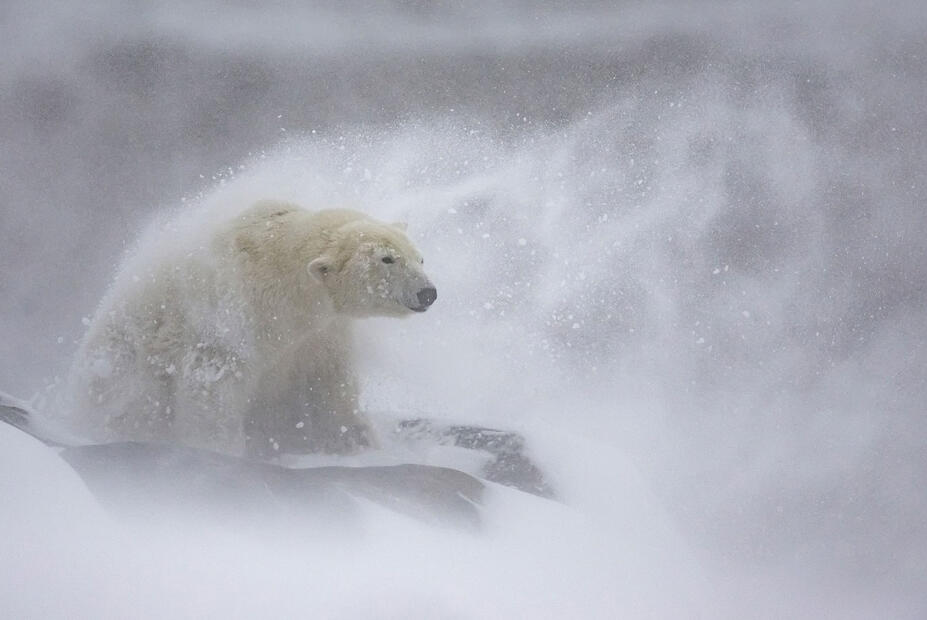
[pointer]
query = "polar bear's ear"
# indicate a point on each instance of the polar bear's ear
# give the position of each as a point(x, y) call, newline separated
point(319, 268)
point(403, 226)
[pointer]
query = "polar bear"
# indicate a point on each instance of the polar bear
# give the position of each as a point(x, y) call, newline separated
point(237, 339)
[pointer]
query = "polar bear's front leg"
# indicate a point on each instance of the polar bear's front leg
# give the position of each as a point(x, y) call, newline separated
point(211, 401)
point(338, 424)
point(308, 403)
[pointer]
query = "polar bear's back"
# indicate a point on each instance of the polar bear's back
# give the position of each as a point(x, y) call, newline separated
point(170, 297)
point(192, 269)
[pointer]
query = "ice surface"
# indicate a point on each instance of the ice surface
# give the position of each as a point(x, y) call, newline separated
point(531, 556)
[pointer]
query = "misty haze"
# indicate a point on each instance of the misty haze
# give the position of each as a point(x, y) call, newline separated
point(680, 250)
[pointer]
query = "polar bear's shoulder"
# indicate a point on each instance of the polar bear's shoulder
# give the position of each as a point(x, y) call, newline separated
point(265, 211)
point(274, 227)
point(271, 212)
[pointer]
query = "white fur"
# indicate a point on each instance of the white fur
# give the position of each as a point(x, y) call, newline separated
point(237, 338)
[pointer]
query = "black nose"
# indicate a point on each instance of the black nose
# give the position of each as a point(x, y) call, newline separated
point(427, 296)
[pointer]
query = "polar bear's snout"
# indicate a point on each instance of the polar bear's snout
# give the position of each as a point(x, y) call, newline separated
point(425, 297)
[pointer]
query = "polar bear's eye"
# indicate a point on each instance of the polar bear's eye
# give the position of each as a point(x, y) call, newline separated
point(388, 260)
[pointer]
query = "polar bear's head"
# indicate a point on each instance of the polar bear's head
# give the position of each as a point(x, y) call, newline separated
point(372, 269)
